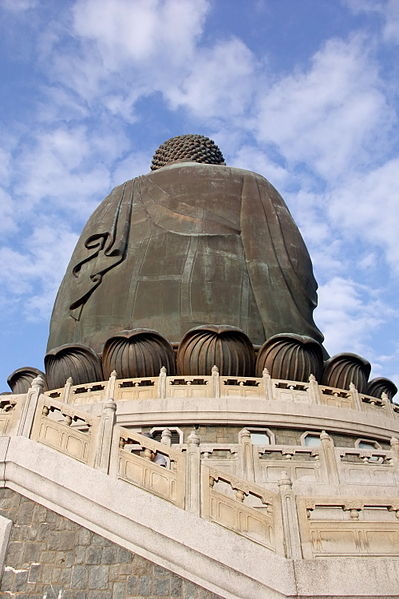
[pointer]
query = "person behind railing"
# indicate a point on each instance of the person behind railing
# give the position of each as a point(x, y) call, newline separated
point(157, 458)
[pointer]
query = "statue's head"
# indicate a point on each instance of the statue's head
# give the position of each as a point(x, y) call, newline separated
point(187, 148)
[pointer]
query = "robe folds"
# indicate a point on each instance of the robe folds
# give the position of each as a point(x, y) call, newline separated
point(187, 245)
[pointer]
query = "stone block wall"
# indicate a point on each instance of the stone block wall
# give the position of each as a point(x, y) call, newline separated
point(50, 556)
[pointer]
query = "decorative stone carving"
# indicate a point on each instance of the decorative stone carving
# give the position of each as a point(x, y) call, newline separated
point(381, 385)
point(138, 353)
point(291, 357)
point(72, 360)
point(343, 369)
point(223, 346)
point(21, 379)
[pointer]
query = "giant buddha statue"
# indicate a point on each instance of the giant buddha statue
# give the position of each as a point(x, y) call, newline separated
point(192, 266)
point(192, 243)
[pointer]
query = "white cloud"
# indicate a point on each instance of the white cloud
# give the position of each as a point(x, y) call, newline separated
point(389, 11)
point(332, 115)
point(349, 314)
point(366, 206)
point(36, 269)
point(68, 166)
point(8, 220)
point(139, 30)
point(220, 83)
point(18, 5)
point(125, 49)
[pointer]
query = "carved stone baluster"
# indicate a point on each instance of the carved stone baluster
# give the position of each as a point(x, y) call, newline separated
point(193, 473)
point(357, 402)
point(292, 540)
point(30, 405)
point(162, 383)
point(111, 385)
point(313, 390)
point(267, 384)
point(104, 437)
point(329, 460)
point(215, 382)
point(395, 450)
point(248, 467)
point(166, 437)
point(66, 394)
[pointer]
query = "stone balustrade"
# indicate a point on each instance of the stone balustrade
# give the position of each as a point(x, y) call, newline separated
point(217, 386)
point(259, 491)
point(333, 526)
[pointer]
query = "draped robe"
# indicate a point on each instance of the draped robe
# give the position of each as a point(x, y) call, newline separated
point(187, 245)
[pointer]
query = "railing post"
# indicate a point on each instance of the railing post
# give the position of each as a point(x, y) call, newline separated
point(355, 397)
point(111, 384)
point(30, 405)
point(395, 449)
point(104, 436)
point(162, 383)
point(314, 391)
point(292, 540)
point(166, 437)
point(329, 458)
point(267, 383)
point(215, 382)
point(248, 470)
point(193, 473)
point(66, 394)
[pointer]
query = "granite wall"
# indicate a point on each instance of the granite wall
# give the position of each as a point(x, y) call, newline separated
point(50, 557)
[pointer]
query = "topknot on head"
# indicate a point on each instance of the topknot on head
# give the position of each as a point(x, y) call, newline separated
point(187, 148)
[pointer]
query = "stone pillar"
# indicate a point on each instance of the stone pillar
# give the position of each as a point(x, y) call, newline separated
point(329, 458)
point(30, 405)
point(162, 383)
point(166, 437)
point(267, 384)
point(193, 473)
point(357, 402)
point(292, 539)
point(248, 469)
point(313, 390)
point(215, 382)
point(104, 437)
point(395, 450)
point(111, 384)
point(66, 394)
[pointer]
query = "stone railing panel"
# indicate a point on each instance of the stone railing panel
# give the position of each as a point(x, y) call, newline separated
point(338, 398)
point(300, 463)
point(291, 391)
point(65, 429)
point(243, 507)
point(365, 467)
point(10, 412)
point(349, 527)
point(241, 387)
point(144, 388)
point(150, 465)
point(189, 386)
point(226, 456)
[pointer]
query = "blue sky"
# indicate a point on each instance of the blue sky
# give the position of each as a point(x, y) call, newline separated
point(304, 92)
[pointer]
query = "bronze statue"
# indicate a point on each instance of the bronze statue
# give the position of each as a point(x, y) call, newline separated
point(193, 243)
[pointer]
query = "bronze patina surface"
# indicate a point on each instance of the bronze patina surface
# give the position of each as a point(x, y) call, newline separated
point(189, 244)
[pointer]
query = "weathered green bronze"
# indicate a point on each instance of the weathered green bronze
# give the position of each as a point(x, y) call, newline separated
point(189, 244)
